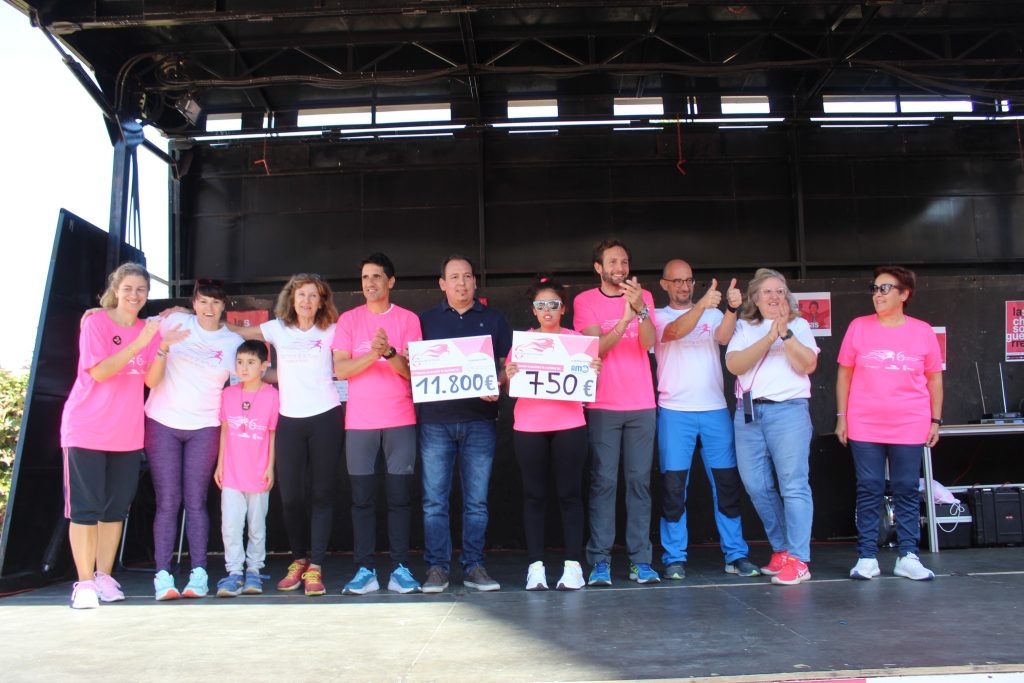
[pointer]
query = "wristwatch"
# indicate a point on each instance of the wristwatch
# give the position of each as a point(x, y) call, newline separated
point(788, 335)
point(392, 352)
point(937, 420)
point(643, 313)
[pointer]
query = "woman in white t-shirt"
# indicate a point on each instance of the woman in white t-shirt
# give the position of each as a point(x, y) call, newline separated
point(772, 354)
point(183, 432)
point(311, 426)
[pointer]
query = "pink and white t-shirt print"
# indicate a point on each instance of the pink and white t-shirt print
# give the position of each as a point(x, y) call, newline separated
point(626, 382)
point(107, 415)
point(305, 368)
point(889, 400)
point(247, 443)
point(378, 397)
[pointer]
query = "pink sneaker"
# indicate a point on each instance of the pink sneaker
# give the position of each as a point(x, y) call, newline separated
point(775, 566)
point(107, 588)
point(793, 572)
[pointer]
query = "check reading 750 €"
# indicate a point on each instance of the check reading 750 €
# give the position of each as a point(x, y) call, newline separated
point(446, 369)
point(553, 366)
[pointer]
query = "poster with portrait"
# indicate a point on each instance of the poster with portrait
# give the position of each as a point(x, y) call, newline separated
point(816, 309)
point(1014, 331)
point(940, 334)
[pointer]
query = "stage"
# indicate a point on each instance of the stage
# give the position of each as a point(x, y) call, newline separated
point(710, 625)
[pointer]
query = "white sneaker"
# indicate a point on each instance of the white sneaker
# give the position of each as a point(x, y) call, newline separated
point(107, 588)
point(910, 566)
point(536, 579)
point(867, 568)
point(83, 596)
point(572, 577)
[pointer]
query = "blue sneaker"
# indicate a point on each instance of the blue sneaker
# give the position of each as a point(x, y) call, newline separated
point(365, 581)
point(642, 573)
point(198, 584)
point(163, 586)
point(230, 586)
point(401, 581)
point(600, 575)
point(253, 583)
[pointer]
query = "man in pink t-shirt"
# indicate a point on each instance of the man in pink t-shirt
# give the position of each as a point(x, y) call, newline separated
point(371, 351)
point(622, 418)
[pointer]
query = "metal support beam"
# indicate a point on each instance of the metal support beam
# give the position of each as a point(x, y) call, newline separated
point(118, 204)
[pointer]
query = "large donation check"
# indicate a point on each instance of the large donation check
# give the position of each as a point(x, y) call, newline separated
point(555, 366)
point(445, 369)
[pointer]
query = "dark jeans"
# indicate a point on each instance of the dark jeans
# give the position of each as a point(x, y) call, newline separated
point(904, 471)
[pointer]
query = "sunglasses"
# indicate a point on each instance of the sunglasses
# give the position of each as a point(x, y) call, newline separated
point(884, 289)
point(547, 304)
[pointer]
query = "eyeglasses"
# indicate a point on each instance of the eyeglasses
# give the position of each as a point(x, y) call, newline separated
point(679, 281)
point(884, 289)
point(769, 292)
point(547, 305)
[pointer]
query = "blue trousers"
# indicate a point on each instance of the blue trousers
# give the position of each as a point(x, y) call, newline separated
point(904, 470)
point(677, 439)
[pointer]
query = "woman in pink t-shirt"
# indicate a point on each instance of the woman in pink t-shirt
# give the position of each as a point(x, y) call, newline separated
point(889, 406)
point(102, 432)
point(551, 434)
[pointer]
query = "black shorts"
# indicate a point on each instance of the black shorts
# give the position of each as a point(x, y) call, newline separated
point(99, 486)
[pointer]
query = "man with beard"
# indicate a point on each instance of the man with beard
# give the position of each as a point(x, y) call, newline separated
point(370, 346)
point(691, 403)
point(621, 420)
point(459, 431)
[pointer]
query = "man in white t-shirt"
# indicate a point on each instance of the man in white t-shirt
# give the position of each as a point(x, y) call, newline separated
point(691, 403)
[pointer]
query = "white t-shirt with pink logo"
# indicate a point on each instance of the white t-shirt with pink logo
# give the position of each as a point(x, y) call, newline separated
point(690, 369)
point(774, 379)
point(188, 396)
point(107, 415)
point(378, 397)
point(889, 400)
point(626, 382)
point(305, 368)
point(545, 415)
point(251, 419)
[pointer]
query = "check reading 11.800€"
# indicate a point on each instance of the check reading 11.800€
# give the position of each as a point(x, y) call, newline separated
point(447, 369)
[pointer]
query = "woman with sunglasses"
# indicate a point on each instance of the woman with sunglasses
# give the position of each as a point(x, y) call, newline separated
point(183, 432)
point(772, 353)
point(888, 408)
point(550, 435)
point(310, 429)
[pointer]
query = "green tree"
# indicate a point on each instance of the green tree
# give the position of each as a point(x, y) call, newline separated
point(12, 405)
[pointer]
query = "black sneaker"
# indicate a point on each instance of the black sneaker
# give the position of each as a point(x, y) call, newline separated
point(743, 567)
point(675, 571)
point(437, 580)
point(478, 578)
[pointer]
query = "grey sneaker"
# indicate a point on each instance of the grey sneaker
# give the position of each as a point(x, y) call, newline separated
point(742, 567)
point(675, 571)
point(437, 580)
point(478, 578)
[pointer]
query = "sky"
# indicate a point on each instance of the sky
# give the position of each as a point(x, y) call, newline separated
point(56, 154)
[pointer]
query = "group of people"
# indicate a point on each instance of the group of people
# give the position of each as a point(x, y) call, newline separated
point(252, 436)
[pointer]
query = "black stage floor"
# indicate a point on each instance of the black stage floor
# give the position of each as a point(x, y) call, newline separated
point(970, 618)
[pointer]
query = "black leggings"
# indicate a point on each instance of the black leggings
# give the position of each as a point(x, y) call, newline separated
point(308, 450)
point(538, 453)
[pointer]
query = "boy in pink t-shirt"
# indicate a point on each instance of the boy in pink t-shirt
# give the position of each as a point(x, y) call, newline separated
point(245, 469)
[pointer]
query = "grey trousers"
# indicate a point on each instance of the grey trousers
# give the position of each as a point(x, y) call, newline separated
point(631, 433)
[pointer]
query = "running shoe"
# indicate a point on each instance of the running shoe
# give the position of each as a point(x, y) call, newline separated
point(910, 566)
point(600, 575)
point(536, 579)
point(314, 580)
point(742, 567)
point(107, 588)
point(293, 579)
point(253, 583)
point(641, 572)
point(230, 586)
point(402, 581)
point(793, 572)
point(365, 581)
point(83, 595)
point(865, 569)
point(572, 577)
point(778, 561)
point(198, 585)
point(676, 571)
point(163, 586)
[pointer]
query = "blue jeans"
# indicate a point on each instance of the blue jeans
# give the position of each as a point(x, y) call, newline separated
point(904, 470)
point(677, 438)
point(779, 441)
point(472, 444)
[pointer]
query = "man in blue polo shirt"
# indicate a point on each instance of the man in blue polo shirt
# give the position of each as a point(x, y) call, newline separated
point(460, 430)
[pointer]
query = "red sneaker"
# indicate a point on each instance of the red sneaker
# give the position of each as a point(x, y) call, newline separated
point(793, 572)
point(314, 581)
point(293, 578)
point(775, 566)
